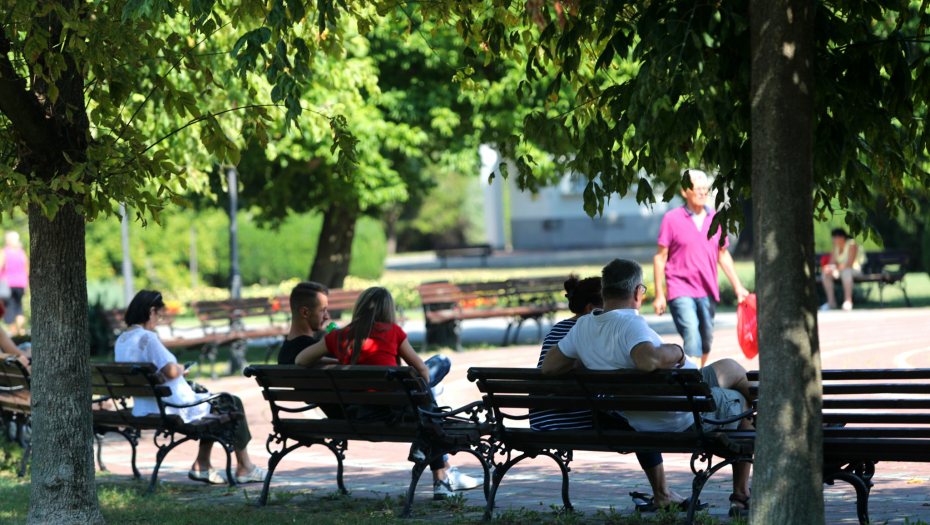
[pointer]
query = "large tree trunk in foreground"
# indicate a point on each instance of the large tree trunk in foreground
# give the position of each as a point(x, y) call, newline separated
point(334, 251)
point(63, 486)
point(788, 478)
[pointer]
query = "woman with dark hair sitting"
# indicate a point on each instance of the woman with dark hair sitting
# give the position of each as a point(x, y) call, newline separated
point(373, 338)
point(140, 344)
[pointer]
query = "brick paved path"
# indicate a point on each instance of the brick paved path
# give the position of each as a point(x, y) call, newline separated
point(859, 339)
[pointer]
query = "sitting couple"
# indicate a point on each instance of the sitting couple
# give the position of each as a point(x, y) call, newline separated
point(607, 333)
point(372, 338)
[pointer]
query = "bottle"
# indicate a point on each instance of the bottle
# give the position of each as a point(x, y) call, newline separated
point(331, 326)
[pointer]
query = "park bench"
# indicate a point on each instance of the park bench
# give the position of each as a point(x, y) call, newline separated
point(506, 389)
point(470, 250)
point(880, 424)
point(15, 405)
point(207, 344)
point(214, 315)
point(875, 270)
point(292, 390)
point(116, 383)
point(446, 305)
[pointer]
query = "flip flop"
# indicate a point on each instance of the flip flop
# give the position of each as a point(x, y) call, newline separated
point(646, 503)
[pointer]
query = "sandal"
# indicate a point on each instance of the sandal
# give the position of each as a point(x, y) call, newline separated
point(211, 477)
point(646, 503)
point(736, 511)
point(256, 476)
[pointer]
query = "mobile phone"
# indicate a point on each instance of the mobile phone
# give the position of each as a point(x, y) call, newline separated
point(189, 365)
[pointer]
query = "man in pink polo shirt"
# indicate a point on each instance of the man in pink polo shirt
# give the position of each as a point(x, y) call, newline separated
point(687, 263)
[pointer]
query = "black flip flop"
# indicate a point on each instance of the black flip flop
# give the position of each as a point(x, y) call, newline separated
point(646, 503)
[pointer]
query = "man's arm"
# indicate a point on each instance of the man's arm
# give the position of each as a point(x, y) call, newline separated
point(659, 261)
point(556, 363)
point(649, 357)
point(726, 263)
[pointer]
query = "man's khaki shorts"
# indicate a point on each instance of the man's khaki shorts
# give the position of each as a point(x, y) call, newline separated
point(729, 402)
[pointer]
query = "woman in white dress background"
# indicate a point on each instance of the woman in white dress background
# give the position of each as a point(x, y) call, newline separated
point(140, 344)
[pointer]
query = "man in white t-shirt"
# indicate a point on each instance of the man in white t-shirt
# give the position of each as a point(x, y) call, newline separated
point(617, 338)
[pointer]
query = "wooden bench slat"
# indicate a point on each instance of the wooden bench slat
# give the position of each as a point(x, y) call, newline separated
point(118, 379)
point(593, 376)
point(543, 387)
point(865, 375)
point(327, 384)
point(876, 418)
point(349, 398)
point(868, 388)
point(872, 403)
point(632, 403)
point(120, 368)
point(10, 381)
point(131, 391)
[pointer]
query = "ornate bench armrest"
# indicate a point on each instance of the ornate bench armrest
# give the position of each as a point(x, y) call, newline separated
point(300, 409)
point(748, 413)
point(221, 395)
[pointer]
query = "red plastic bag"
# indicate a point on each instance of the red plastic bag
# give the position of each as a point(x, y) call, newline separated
point(746, 330)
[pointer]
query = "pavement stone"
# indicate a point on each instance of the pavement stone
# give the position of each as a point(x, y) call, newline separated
point(892, 338)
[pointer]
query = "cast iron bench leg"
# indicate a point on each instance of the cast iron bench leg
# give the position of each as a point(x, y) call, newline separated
point(860, 477)
point(98, 438)
point(27, 449)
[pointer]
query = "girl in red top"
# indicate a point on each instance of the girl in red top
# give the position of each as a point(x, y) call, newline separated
point(373, 338)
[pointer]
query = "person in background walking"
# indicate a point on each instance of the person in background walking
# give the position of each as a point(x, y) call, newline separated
point(845, 263)
point(687, 263)
point(15, 269)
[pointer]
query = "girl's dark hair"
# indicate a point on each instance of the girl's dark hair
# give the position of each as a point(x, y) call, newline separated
point(839, 232)
point(374, 305)
point(138, 310)
point(582, 292)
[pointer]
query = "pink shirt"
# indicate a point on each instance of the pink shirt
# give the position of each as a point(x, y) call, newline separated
point(14, 270)
point(691, 270)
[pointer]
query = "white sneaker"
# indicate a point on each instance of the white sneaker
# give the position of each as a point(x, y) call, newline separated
point(847, 306)
point(461, 481)
point(824, 307)
point(442, 490)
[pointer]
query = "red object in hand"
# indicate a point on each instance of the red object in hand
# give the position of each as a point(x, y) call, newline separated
point(824, 260)
point(746, 330)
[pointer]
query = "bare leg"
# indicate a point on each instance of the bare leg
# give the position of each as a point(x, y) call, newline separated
point(440, 474)
point(828, 289)
point(663, 494)
point(244, 465)
point(202, 463)
point(732, 376)
point(704, 360)
point(847, 278)
point(21, 323)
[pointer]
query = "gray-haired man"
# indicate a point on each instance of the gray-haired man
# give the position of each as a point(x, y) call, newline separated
point(617, 338)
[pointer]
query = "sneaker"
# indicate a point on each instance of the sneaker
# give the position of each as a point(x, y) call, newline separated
point(415, 454)
point(824, 307)
point(442, 490)
point(847, 306)
point(460, 481)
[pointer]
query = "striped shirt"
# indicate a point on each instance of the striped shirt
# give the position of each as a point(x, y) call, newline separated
point(558, 419)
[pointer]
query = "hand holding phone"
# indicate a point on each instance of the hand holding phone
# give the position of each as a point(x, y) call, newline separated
point(189, 365)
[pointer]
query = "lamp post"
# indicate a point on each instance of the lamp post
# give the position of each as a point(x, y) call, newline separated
point(129, 289)
point(235, 279)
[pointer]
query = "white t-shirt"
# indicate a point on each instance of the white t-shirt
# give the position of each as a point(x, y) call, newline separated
point(603, 341)
point(142, 346)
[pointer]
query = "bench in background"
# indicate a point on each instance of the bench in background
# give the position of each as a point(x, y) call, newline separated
point(15, 402)
point(470, 250)
point(875, 270)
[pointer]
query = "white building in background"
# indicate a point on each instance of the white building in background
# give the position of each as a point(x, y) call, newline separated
point(554, 218)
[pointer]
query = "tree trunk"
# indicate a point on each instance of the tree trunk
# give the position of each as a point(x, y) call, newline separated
point(788, 478)
point(63, 486)
point(334, 251)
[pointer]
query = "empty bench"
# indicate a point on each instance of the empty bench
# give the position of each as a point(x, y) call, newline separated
point(871, 416)
point(446, 304)
point(508, 389)
point(117, 383)
point(469, 250)
point(344, 390)
point(216, 316)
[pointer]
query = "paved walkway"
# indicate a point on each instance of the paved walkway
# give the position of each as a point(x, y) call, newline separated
point(859, 339)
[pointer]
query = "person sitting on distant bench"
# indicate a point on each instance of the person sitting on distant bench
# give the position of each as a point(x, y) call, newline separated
point(7, 346)
point(309, 308)
point(845, 263)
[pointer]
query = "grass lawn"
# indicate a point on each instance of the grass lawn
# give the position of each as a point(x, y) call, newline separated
point(122, 502)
